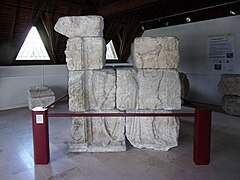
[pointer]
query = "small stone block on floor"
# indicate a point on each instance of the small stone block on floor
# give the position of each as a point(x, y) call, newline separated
point(40, 96)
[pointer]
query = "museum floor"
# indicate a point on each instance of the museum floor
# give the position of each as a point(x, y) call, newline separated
point(16, 156)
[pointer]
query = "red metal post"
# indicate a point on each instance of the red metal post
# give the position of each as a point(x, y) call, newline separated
point(40, 135)
point(202, 136)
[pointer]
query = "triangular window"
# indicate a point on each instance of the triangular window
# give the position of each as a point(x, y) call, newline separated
point(111, 53)
point(33, 47)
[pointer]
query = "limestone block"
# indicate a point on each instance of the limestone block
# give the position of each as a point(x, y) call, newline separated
point(159, 133)
point(40, 91)
point(40, 96)
point(184, 85)
point(155, 52)
point(231, 104)
point(153, 89)
point(229, 84)
point(80, 26)
point(91, 90)
point(85, 53)
point(97, 134)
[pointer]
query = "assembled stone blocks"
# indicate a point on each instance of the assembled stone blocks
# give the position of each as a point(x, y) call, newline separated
point(151, 86)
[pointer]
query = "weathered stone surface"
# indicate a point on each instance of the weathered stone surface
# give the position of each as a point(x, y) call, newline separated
point(159, 133)
point(40, 96)
point(91, 90)
point(231, 104)
point(184, 85)
point(98, 134)
point(40, 91)
point(80, 26)
point(155, 52)
point(229, 84)
point(85, 53)
point(153, 89)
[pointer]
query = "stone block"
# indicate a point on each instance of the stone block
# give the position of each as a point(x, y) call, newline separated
point(229, 84)
point(85, 53)
point(155, 52)
point(91, 90)
point(80, 26)
point(153, 89)
point(40, 96)
point(159, 133)
point(98, 134)
point(231, 104)
point(184, 85)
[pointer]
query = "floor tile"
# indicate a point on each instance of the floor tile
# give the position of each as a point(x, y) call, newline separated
point(16, 153)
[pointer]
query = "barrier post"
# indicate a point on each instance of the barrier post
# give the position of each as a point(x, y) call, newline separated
point(40, 135)
point(202, 136)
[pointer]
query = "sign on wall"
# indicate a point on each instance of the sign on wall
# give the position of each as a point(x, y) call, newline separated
point(221, 51)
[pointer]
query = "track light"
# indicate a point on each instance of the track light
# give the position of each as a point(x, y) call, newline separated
point(188, 19)
point(232, 13)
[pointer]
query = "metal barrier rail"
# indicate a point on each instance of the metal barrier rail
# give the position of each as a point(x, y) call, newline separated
point(201, 139)
point(120, 114)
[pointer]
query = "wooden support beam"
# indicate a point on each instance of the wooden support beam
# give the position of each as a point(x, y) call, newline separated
point(49, 22)
point(14, 21)
point(122, 6)
point(74, 4)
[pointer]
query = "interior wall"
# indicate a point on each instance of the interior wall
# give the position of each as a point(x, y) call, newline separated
point(193, 38)
point(15, 81)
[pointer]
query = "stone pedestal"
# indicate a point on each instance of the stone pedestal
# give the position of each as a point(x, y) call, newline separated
point(231, 104)
point(229, 86)
point(40, 96)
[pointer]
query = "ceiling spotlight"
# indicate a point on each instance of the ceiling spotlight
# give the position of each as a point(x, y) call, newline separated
point(143, 28)
point(188, 19)
point(166, 23)
point(232, 13)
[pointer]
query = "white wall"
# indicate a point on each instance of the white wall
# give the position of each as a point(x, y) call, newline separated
point(194, 57)
point(15, 81)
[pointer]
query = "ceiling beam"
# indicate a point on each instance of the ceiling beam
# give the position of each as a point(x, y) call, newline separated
point(201, 14)
point(13, 21)
point(74, 4)
point(122, 6)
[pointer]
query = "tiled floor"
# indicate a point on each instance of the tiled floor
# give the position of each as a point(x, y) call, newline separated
point(16, 156)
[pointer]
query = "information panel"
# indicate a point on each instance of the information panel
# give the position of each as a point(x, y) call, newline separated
point(221, 51)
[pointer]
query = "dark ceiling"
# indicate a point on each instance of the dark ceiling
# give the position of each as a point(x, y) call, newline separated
point(123, 21)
